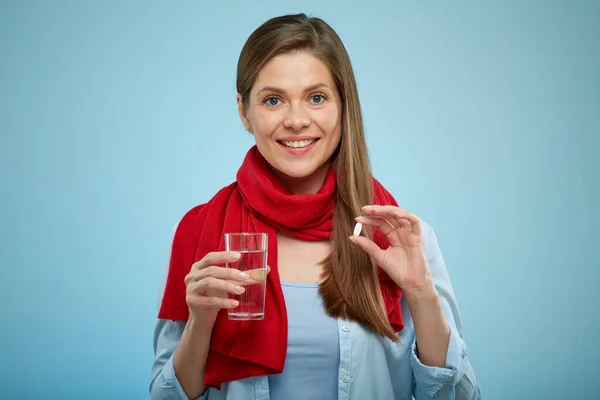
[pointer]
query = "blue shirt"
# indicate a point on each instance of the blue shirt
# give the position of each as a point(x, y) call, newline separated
point(370, 366)
point(313, 351)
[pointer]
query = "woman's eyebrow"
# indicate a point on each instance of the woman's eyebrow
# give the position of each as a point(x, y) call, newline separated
point(277, 90)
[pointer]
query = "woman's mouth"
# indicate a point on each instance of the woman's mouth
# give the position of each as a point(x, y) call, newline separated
point(298, 147)
point(297, 144)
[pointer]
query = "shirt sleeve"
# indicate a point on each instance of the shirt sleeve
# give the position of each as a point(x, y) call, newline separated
point(164, 385)
point(458, 380)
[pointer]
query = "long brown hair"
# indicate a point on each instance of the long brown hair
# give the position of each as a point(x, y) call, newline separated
point(351, 288)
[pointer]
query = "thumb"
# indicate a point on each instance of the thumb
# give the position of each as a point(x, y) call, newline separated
point(369, 247)
point(259, 274)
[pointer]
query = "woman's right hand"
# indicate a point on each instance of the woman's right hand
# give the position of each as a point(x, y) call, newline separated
point(207, 286)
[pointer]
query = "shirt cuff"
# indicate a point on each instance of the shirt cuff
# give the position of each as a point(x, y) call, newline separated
point(431, 379)
point(170, 385)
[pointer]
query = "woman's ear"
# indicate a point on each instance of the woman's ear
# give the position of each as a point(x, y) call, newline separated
point(243, 113)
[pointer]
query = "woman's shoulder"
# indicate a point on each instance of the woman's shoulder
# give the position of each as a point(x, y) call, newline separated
point(195, 216)
point(430, 240)
point(427, 232)
point(191, 221)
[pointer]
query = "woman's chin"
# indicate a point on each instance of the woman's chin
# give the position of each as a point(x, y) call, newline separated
point(300, 171)
point(298, 174)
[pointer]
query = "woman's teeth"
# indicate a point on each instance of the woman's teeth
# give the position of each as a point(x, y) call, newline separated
point(298, 143)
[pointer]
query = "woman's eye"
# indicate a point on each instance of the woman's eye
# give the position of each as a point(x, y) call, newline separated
point(272, 101)
point(317, 98)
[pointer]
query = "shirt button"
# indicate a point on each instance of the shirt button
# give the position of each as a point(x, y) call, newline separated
point(346, 328)
point(346, 379)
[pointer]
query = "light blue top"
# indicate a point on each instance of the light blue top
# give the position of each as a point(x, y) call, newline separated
point(313, 352)
point(370, 367)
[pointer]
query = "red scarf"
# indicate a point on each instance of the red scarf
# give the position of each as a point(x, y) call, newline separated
point(257, 202)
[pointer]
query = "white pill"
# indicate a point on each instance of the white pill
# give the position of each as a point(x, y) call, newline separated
point(357, 229)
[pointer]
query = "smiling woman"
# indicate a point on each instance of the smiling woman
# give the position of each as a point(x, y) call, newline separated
point(348, 314)
point(294, 111)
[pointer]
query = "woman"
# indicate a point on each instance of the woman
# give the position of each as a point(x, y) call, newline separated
point(347, 317)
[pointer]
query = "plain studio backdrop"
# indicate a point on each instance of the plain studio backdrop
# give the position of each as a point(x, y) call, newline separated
point(117, 117)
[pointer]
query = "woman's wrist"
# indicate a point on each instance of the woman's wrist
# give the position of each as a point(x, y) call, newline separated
point(198, 326)
point(425, 293)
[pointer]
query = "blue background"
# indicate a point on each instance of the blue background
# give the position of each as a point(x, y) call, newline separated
point(117, 117)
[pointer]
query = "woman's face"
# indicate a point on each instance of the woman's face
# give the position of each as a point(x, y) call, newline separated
point(294, 112)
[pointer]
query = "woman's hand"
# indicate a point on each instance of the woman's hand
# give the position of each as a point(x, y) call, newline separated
point(405, 261)
point(208, 285)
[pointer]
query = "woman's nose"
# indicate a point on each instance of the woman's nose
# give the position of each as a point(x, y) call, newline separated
point(296, 118)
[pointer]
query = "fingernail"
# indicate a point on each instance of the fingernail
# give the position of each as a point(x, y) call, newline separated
point(244, 275)
point(239, 289)
point(234, 303)
point(236, 256)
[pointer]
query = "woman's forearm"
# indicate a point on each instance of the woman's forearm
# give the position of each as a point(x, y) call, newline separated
point(431, 328)
point(190, 358)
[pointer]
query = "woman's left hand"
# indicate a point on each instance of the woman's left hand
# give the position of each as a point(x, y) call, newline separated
point(405, 260)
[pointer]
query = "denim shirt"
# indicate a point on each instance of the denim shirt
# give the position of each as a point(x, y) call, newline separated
point(371, 366)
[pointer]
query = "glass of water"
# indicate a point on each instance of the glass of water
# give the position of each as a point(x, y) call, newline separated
point(253, 261)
